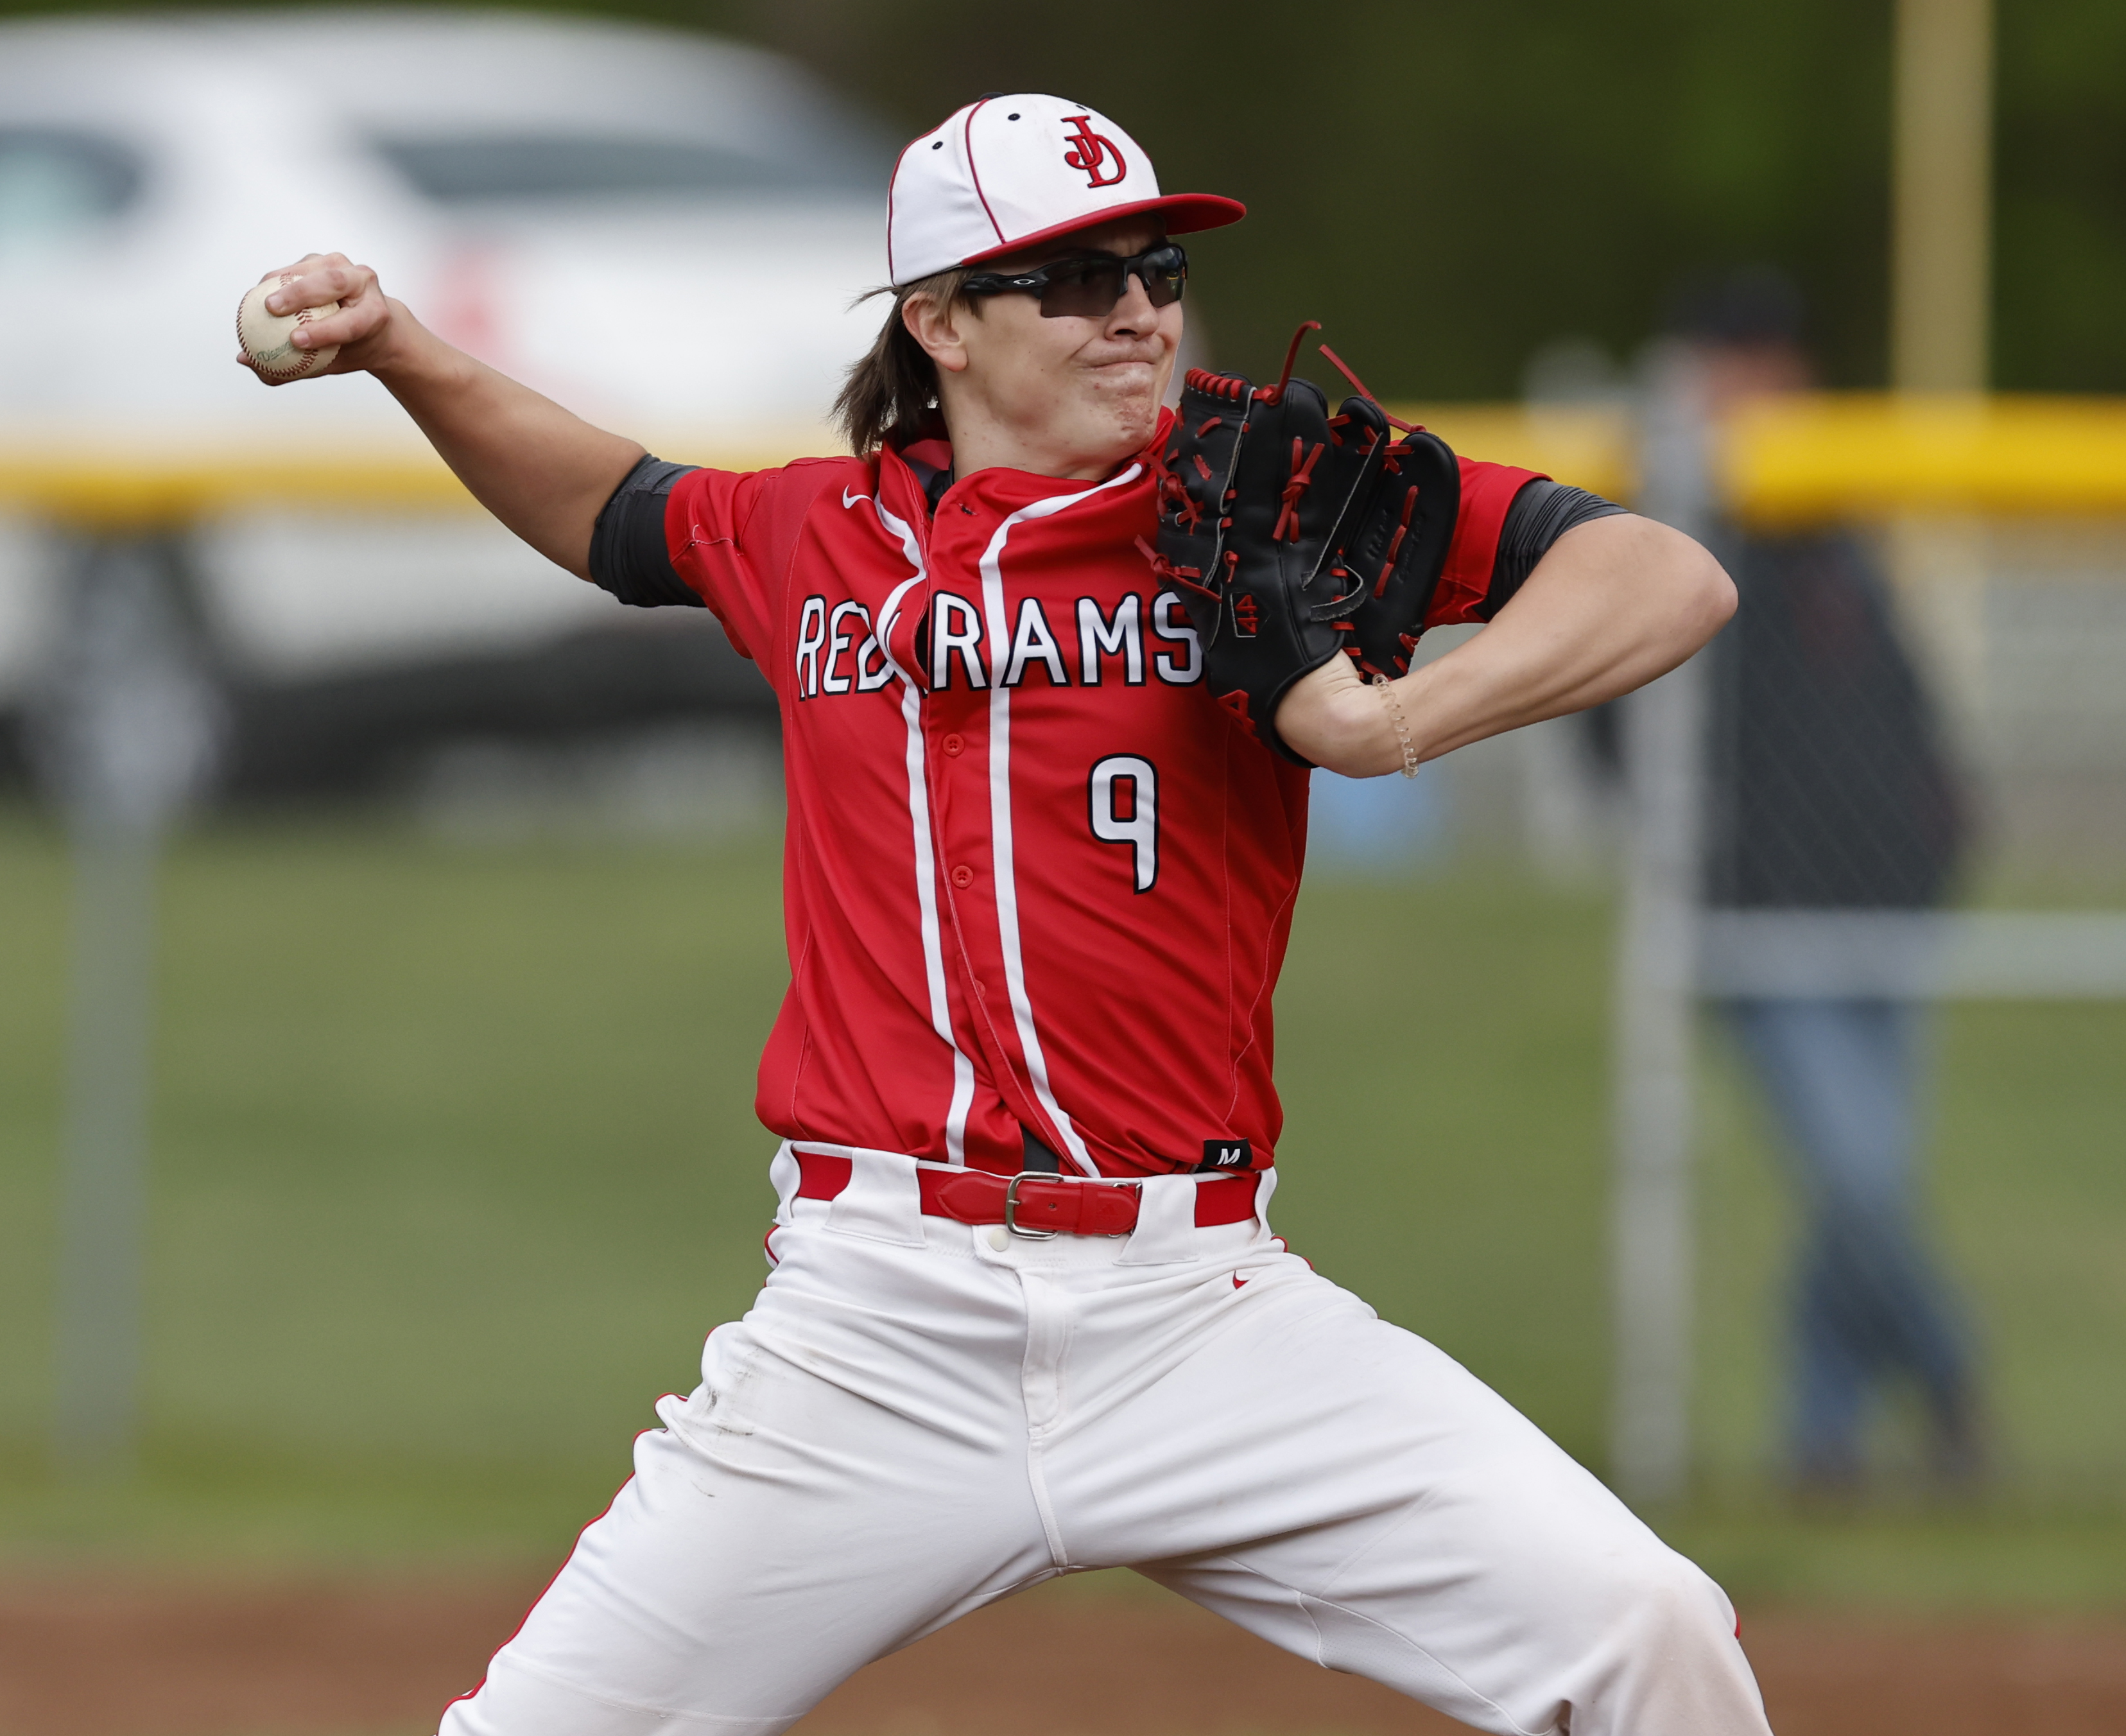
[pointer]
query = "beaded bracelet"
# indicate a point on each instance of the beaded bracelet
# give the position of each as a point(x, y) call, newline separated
point(1386, 689)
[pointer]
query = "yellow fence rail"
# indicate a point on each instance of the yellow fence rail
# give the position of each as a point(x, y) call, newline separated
point(1835, 457)
point(128, 485)
point(1810, 459)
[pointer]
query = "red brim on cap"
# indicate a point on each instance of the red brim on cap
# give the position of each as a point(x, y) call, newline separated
point(1185, 214)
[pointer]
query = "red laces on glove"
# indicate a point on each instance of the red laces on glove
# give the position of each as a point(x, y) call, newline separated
point(1295, 484)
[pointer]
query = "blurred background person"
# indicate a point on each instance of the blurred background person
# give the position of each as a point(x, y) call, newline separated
point(1829, 789)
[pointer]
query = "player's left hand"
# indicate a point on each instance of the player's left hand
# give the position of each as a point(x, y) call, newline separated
point(1332, 718)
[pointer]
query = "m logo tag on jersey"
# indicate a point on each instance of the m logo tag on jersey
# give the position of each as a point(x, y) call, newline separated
point(1247, 615)
point(1092, 154)
point(1226, 1154)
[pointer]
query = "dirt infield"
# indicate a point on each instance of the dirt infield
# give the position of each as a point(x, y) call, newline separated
point(107, 1657)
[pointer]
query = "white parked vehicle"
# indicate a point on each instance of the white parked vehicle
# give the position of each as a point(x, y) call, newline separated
point(664, 232)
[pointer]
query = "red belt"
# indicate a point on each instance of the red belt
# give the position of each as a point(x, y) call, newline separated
point(1037, 1204)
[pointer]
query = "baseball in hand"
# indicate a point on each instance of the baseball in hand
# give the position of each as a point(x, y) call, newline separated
point(266, 337)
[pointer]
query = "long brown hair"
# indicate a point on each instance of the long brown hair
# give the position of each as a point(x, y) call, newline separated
point(890, 397)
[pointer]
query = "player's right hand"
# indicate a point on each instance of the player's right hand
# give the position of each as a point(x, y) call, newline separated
point(363, 328)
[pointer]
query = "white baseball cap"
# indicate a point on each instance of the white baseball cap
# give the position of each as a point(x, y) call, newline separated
point(1006, 172)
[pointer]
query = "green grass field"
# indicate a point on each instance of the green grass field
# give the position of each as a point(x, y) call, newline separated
point(454, 1164)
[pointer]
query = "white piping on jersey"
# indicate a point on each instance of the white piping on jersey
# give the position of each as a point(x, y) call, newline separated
point(918, 815)
point(1000, 835)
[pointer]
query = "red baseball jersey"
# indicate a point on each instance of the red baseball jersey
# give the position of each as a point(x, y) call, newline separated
point(1036, 881)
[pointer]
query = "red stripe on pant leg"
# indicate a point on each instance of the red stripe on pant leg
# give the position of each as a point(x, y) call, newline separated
point(473, 1693)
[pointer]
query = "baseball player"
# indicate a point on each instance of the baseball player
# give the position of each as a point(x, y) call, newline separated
point(1051, 664)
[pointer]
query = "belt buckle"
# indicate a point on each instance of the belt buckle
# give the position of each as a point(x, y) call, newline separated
point(1011, 1223)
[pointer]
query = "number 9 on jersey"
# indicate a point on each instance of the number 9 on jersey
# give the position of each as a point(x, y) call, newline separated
point(1123, 796)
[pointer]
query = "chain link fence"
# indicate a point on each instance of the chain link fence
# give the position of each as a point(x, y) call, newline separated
point(1872, 957)
point(1913, 949)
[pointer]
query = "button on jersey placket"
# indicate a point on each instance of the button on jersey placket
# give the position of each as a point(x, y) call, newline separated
point(953, 745)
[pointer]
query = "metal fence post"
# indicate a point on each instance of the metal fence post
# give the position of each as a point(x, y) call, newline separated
point(102, 1199)
point(1654, 1007)
point(125, 732)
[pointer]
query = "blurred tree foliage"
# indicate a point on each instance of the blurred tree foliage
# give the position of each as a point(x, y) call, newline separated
point(1448, 184)
point(2060, 318)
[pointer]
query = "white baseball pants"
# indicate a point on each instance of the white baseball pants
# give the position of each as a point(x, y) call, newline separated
point(919, 1417)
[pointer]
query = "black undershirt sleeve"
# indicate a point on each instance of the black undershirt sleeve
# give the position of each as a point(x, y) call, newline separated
point(1541, 513)
point(629, 554)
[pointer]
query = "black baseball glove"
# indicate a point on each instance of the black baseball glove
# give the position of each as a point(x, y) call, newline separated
point(1293, 535)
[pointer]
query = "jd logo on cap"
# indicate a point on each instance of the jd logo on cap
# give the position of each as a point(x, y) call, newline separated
point(1090, 152)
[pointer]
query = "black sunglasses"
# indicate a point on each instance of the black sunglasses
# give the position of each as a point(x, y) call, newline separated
point(1089, 287)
